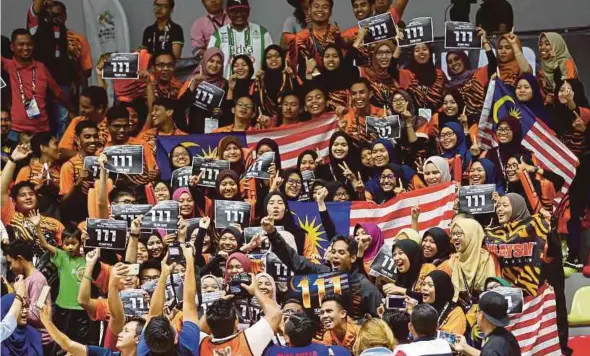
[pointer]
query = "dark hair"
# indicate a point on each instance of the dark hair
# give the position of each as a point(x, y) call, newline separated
point(398, 323)
point(19, 32)
point(97, 95)
point(118, 192)
point(299, 15)
point(150, 264)
point(5, 107)
point(330, 1)
point(172, 3)
point(353, 246)
point(60, 4)
point(140, 324)
point(333, 297)
point(40, 139)
point(362, 80)
point(300, 328)
point(221, 318)
point(86, 124)
point(159, 334)
point(20, 248)
point(73, 233)
point(287, 93)
point(167, 103)
point(371, 2)
point(20, 185)
point(161, 53)
point(117, 112)
point(424, 319)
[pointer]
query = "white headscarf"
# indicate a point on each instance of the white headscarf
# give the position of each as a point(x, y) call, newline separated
point(443, 166)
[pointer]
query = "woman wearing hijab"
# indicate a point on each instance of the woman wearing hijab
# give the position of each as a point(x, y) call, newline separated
point(472, 264)
point(272, 81)
point(336, 76)
point(483, 171)
point(25, 339)
point(557, 63)
point(236, 263)
point(267, 285)
point(529, 94)
point(408, 234)
point(414, 143)
point(210, 71)
point(455, 148)
point(370, 239)
point(436, 249)
point(422, 79)
point(308, 161)
point(240, 83)
point(210, 284)
point(343, 154)
point(292, 186)
point(436, 170)
point(392, 182)
point(511, 61)
point(230, 149)
point(383, 84)
point(453, 109)
point(257, 189)
point(230, 240)
point(411, 271)
point(469, 82)
point(438, 291)
point(186, 203)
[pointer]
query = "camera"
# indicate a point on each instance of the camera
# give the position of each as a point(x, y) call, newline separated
point(175, 253)
point(395, 302)
point(235, 287)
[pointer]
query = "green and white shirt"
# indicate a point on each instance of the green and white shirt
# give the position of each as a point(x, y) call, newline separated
point(251, 41)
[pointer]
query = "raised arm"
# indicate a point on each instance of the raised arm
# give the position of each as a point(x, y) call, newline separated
point(84, 299)
point(400, 7)
point(117, 320)
point(38, 6)
point(67, 344)
point(523, 64)
point(189, 304)
point(271, 310)
point(101, 188)
point(20, 152)
point(134, 234)
point(35, 218)
point(8, 324)
point(159, 295)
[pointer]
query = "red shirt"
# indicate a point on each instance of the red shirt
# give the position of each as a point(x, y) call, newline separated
point(43, 82)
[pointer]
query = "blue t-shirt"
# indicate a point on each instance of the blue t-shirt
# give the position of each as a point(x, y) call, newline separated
point(311, 349)
point(100, 351)
point(188, 341)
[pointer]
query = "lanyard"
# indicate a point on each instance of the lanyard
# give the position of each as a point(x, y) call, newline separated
point(230, 37)
point(166, 29)
point(216, 25)
point(21, 86)
point(319, 47)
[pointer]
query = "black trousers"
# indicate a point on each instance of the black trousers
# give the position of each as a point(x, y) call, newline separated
point(74, 323)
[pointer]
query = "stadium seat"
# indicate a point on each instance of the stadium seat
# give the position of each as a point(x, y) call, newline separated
point(580, 311)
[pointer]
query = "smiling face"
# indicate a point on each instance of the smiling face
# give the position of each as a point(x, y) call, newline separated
point(26, 200)
point(450, 106)
point(504, 133)
point(214, 65)
point(383, 56)
point(265, 286)
point(164, 67)
point(524, 92)
point(448, 138)
point(362, 9)
point(429, 249)
point(340, 148)
point(315, 102)
point(458, 238)
point(24, 313)
point(243, 110)
point(341, 194)
point(128, 338)
point(273, 59)
point(180, 157)
point(180, 270)
point(401, 260)
point(293, 185)
point(228, 188)
point(399, 103)
point(361, 96)
point(128, 282)
point(22, 47)
point(331, 59)
point(142, 253)
point(387, 180)
point(340, 258)
point(565, 90)
point(477, 174)
point(155, 247)
point(512, 170)
point(504, 210)
point(320, 11)
point(239, 17)
point(428, 291)
point(545, 48)
point(276, 207)
point(228, 242)
point(161, 116)
point(455, 64)
point(332, 315)
point(88, 141)
point(88, 110)
point(161, 192)
point(240, 69)
point(421, 53)
point(432, 174)
point(186, 204)
point(505, 52)
point(232, 153)
point(380, 155)
point(307, 163)
point(234, 267)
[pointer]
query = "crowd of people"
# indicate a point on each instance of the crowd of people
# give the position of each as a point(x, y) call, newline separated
point(256, 281)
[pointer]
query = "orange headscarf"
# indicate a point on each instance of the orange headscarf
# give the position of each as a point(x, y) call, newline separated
point(509, 71)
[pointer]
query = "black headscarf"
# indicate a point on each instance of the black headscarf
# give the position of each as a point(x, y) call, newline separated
point(444, 118)
point(425, 73)
point(412, 250)
point(513, 148)
point(340, 78)
point(312, 153)
point(273, 78)
point(443, 245)
point(285, 175)
point(562, 117)
point(443, 293)
point(351, 159)
point(227, 173)
point(275, 148)
point(288, 222)
point(243, 85)
point(381, 196)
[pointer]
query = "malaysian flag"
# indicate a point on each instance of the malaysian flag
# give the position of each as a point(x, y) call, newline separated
point(536, 327)
point(436, 209)
point(296, 138)
point(551, 153)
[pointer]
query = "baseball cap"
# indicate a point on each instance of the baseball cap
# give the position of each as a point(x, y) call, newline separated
point(495, 308)
point(237, 4)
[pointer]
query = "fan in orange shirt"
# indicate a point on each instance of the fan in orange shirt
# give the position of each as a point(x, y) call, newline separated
point(340, 329)
point(244, 112)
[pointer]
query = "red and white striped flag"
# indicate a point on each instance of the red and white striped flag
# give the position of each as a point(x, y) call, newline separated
point(536, 327)
point(296, 138)
point(551, 153)
point(436, 209)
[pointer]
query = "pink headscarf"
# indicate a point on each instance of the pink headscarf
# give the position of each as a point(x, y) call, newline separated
point(215, 79)
point(178, 192)
point(244, 261)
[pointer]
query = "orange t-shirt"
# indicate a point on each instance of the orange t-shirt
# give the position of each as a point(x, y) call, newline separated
point(68, 140)
point(23, 228)
point(351, 331)
point(35, 173)
point(70, 171)
point(358, 130)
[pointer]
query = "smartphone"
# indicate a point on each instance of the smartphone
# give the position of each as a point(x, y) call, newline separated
point(175, 253)
point(43, 296)
point(133, 269)
point(395, 302)
point(450, 338)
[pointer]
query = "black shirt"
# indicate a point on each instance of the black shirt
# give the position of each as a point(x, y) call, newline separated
point(156, 40)
point(493, 13)
point(501, 342)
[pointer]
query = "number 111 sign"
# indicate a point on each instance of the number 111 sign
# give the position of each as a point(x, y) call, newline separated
point(121, 66)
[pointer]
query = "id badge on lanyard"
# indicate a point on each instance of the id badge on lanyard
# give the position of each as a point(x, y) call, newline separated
point(31, 106)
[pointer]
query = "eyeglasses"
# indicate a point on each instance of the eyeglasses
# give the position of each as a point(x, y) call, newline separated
point(149, 279)
point(504, 130)
point(383, 53)
point(294, 182)
point(120, 127)
point(457, 233)
point(169, 65)
point(447, 135)
point(399, 101)
point(343, 194)
point(245, 106)
point(388, 177)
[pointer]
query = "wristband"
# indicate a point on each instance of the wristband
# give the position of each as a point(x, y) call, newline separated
point(11, 159)
point(135, 236)
point(88, 278)
point(19, 298)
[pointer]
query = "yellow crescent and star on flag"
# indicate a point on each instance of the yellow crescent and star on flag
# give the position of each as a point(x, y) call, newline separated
point(512, 111)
